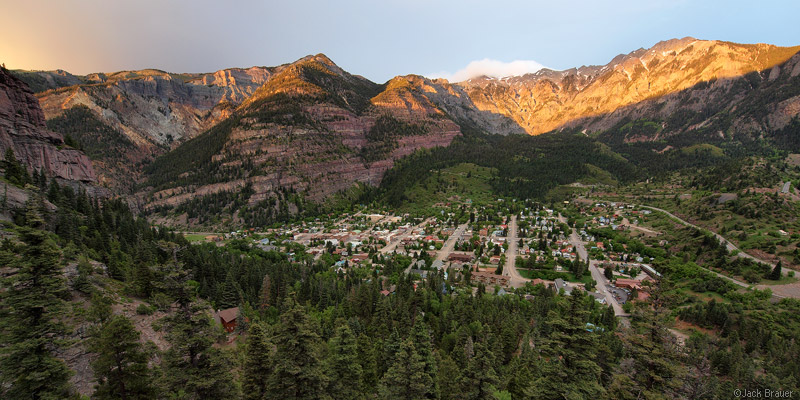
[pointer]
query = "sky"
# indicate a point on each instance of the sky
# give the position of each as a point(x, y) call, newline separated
point(379, 39)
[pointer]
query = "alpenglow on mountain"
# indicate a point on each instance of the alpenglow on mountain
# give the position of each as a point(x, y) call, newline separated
point(313, 129)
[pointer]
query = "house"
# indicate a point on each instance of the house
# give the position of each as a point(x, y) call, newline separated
point(560, 284)
point(228, 317)
point(628, 283)
point(421, 272)
point(598, 297)
point(460, 257)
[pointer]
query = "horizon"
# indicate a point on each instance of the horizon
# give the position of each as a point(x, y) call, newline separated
point(477, 64)
point(444, 39)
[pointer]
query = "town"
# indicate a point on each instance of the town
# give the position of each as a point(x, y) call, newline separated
point(507, 247)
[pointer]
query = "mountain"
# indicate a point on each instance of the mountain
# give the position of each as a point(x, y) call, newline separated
point(687, 76)
point(23, 130)
point(311, 128)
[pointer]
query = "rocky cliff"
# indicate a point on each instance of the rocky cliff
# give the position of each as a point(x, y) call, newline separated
point(313, 128)
point(680, 75)
point(23, 129)
point(156, 108)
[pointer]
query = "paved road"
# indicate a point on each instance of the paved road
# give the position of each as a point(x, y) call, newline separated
point(510, 269)
point(602, 282)
point(394, 242)
point(450, 244)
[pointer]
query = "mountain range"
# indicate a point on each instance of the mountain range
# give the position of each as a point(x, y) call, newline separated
point(287, 136)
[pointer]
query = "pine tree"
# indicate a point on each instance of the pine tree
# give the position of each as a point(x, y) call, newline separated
point(258, 364)
point(194, 369)
point(343, 368)
point(406, 377)
point(570, 371)
point(776, 272)
point(30, 307)
point(424, 348)
point(229, 295)
point(121, 365)
point(449, 378)
point(298, 366)
point(265, 294)
point(480, 378)
point(15, 172)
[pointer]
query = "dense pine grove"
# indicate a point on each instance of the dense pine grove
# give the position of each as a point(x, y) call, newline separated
point(310, 333)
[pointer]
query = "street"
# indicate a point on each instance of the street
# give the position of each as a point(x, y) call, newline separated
point(602, 283)
point(510, 269)
point(394, 242)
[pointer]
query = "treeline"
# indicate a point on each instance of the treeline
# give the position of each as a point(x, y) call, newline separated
point(528, 166)
point(83, 130)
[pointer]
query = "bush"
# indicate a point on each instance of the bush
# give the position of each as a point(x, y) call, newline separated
point(144, 309)
point(751, 276)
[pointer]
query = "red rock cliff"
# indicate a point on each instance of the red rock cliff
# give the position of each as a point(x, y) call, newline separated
point(22, 128)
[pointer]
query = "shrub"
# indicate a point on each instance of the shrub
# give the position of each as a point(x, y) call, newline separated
point(144, 309)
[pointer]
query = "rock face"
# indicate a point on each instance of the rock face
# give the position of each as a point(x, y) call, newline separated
point(156, 108)
point(22, 128)
point(313, 128)
point(677, 75)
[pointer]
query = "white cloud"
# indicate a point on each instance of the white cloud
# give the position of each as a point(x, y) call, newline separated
point(492, 68)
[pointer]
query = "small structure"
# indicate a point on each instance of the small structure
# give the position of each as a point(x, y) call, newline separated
point(460, 257)
point(228, 317)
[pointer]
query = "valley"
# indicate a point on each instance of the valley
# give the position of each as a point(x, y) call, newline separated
point(620, 231)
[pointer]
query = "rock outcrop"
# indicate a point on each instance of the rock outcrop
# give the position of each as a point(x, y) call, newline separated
point(23, 129)
point(307, 129)
point(155, 108)
point(676, 75)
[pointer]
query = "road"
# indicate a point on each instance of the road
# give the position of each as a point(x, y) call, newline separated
point(602, 283)
point(510, 269)
point(450, 244)
point(728, 245)
point(778, 291)
point(394, 242)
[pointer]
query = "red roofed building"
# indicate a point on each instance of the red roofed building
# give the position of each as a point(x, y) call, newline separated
point(460, 257)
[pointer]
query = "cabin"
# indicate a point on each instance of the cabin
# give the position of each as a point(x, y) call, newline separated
point(228, 317)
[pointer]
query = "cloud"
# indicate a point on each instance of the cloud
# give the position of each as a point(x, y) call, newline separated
point(492, 68)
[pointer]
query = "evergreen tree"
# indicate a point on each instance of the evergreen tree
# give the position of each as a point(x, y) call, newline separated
point(480, 378)
point(298, 365)
point(775, 274)
point(343, 368)
point(423, 344)
point(121, 365)
point(15, 172)
point(229, 295)
point(571, 371)
point(406, 377)
point(258, 364)
point(265, 294)
point(194, 369)
point(30, 307)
